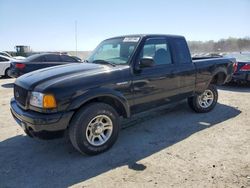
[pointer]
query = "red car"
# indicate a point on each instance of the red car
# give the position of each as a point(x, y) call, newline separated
point(241, 67)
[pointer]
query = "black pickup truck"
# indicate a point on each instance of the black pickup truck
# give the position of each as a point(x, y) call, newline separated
point(122, 77)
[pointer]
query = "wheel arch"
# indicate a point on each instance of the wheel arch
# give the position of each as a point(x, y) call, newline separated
point(6, 71)
point(219, 76)
point(112, 98)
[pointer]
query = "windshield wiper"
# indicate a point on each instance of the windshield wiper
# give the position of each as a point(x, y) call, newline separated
point(100, 61)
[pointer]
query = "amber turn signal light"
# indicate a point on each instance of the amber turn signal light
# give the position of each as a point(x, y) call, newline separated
point(49, 101)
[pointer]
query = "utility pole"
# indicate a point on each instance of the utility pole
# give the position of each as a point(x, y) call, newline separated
point(76, 35)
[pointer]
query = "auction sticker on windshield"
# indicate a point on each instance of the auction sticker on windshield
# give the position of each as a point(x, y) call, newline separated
point(131, 39)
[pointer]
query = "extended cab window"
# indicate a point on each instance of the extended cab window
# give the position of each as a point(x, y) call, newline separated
point(181, 51)
point(158, 49)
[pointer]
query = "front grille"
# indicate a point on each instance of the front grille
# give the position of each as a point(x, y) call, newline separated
point(21, 95)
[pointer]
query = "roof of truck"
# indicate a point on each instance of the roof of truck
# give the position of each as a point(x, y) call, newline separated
point(149, 35)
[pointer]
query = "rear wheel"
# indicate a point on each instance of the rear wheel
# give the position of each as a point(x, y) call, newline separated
point(94, 129)
point(7, 73)
point(204, 102)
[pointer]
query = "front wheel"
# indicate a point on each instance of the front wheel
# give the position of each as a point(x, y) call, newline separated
point(204, 102)
point(94, 129)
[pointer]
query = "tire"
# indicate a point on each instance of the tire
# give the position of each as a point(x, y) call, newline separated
point(88, 123)
point(204, 102)
point(7, 73)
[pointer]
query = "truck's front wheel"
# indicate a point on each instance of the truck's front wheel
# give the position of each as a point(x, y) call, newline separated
point(94, 129)
point(204, 102)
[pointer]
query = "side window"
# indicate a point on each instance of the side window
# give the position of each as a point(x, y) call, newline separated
point(3, 59)
point(66, 58)
point(39, 59)
point(158, 49)
point(52, 58)
point(181, 51)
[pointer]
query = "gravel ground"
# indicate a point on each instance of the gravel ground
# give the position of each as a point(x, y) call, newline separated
point(168, 147)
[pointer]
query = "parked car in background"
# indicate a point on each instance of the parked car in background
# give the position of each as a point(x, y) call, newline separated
point(39, 61)
point(5, 54)
point(5, 65)
point(241, 67)
point(79, 59)
point(19, 57)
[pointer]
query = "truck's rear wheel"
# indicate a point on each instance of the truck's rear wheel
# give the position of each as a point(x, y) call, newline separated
point(94, 129)
point(204, 102)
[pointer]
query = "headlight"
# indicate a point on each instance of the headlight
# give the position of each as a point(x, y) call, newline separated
point(42, 100)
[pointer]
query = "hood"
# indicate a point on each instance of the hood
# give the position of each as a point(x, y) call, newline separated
point(53, 75)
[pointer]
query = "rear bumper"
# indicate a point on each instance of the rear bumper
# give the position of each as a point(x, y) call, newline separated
point(34, 123)
point(242, 76)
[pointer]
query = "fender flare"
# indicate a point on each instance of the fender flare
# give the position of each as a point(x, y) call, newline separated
point(218, 71)
point(91, 94)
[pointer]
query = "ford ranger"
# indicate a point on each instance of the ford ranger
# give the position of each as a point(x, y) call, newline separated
point(122, 77)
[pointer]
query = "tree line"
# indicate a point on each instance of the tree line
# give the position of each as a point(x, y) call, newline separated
point(224, 45)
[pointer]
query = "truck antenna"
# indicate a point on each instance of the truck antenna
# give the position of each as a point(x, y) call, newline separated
point(76, 35)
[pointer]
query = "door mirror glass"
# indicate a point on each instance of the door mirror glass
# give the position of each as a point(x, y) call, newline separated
point(147, 62)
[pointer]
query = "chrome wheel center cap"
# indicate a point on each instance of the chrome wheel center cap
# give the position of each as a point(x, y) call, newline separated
point(98, 130)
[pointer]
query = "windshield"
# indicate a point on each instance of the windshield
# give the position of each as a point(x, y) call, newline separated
point(241, 57)
point(116, 51)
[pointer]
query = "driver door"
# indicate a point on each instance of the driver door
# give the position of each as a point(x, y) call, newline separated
point(154, 86)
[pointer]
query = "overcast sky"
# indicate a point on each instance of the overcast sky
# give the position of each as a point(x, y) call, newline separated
point(50, 24)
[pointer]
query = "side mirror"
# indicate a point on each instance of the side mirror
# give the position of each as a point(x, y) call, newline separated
point(147, 62)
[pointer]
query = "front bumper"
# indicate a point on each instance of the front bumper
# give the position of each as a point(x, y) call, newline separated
point(35, 123)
